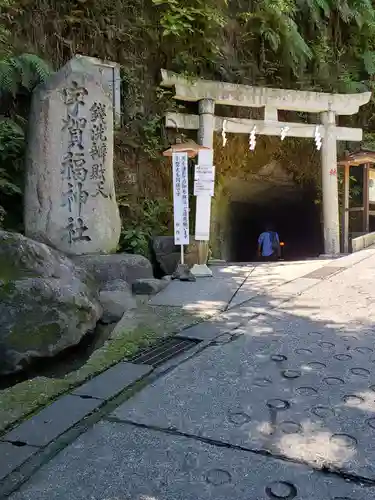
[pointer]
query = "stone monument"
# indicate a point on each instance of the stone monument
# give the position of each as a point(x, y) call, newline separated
point(110, 74)
point(70, 200)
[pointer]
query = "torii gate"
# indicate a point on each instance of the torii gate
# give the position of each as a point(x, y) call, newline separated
point(208, 93)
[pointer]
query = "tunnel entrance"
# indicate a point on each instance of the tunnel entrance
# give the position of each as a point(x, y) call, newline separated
point(291, 212)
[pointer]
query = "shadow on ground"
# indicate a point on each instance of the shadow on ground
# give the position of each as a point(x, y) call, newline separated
point(293, 381)
point(282, 383)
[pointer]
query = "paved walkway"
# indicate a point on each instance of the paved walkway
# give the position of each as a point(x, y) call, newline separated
point(277, 401)
point(234, 284)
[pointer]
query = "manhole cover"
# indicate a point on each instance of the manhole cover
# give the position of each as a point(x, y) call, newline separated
point(324, 272)
point(163, 351)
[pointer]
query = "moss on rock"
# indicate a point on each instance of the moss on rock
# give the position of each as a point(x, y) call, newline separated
point(34, 337)
point(41, 317)
point(145, 326)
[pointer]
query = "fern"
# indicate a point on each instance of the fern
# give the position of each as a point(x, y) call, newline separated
point(22, 72)
point(12, 144)
point(369, 62)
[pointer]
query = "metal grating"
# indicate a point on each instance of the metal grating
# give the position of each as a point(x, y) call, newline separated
point(324, 272)
point(163, 351)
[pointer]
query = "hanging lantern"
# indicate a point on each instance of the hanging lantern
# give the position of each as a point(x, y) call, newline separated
point(252, 139)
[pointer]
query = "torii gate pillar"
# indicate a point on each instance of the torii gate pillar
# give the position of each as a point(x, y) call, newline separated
point(203, 206)
point(330, 185)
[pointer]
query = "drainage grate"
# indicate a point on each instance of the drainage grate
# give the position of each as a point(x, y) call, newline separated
point(324, 272)
point(163, 351)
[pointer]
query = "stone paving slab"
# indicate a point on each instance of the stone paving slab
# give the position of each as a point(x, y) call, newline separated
point(324, 272)
point(11, 457)
point(282, 292)
point(52, 421)
point(215, 293)
point(204, 294)
point(262, 304)
point(271, 278)
point(208, 330)
point(228, 284)
point(352, 259)
point(112, 381)
point(287, 386)
point(120, 462)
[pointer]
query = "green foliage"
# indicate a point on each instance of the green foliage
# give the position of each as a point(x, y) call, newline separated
point(180, 19)
point(149, 218)
point(190, 32)
point(5, 33)
point(22, 72)
point(18, 76)
point(369, 141)
point(135, 241)
point(152, 137)
point(273, 23)
point(322, 45)
point(12, 144)
point(12, 140)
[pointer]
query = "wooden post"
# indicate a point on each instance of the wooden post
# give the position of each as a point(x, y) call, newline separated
point(346, 207)
point(203, 206)
point(366, 201)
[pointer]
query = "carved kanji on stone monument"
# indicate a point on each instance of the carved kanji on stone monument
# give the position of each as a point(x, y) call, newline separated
point(70, 201)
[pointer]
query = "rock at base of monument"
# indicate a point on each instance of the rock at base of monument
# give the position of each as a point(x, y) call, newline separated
point(120, 266)
point(47, 303)
point(168, 255)
point(116, 303)
point(149, 286)
point(41, 317)
point(117, 285)
point(183, 273)
point(22, 257)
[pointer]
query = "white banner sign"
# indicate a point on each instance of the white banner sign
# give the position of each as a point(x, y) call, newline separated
point(203, 187)
point(180, 198)
point(204, 171)
point(202, 220)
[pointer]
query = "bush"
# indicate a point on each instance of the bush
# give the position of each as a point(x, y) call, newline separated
point(147, 219)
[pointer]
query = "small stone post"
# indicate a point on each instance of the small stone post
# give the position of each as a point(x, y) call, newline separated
point(330, 185)
point(205, 138)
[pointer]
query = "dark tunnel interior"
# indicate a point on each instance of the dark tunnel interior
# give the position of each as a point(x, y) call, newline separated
point(296, 219)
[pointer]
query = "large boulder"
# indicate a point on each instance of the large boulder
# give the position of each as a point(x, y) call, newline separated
point(121, 266)
point(42, 316)
point(168, 255)
point(21, 256)
point(47, 303)
point(149, 286)
point(116, 299)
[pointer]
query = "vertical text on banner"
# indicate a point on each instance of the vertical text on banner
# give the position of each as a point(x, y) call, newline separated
point(180, 198)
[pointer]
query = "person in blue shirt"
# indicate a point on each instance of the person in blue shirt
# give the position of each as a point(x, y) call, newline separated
point(269, 245)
